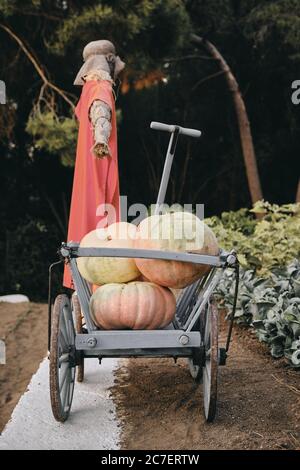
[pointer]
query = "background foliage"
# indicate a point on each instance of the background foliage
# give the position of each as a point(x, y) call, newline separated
point(166, 79)
point(264, 244)
point(269, 292)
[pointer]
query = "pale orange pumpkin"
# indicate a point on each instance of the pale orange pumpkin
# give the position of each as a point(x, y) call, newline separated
point(136, 305)
point(177, 231)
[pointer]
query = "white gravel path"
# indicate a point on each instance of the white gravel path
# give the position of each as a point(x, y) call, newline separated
point(92, 423)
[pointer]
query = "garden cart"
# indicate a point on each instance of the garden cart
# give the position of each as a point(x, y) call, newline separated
point(193, 334)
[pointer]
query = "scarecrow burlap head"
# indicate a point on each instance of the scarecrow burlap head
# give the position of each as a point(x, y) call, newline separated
point(99, 56)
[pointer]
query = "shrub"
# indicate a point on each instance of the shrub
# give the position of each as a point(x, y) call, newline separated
point(262, 244)
point(270, 305)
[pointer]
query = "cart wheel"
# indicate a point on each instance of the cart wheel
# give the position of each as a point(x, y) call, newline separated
point(210, 369)
point(78, 327)
point(62, 358)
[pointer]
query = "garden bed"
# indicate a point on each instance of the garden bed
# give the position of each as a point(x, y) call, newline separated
point(258, 408)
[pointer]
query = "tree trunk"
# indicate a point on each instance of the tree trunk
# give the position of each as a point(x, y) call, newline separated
point(298, 192)
point(242, 118)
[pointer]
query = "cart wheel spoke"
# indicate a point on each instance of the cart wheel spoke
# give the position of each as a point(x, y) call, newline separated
point(62, 364)
point(68, 395)
point(78, 325)
point(64, 329)
point(64, 383)
point(66, 319)
point(65, 390)
point(63, 377)
point(210, 369)
point(63, 342)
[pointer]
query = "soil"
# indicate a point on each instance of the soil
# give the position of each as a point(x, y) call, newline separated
point(157, 402)
point(23, 327)
point(258, 404)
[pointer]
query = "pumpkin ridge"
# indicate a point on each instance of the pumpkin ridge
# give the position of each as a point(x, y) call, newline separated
point(156, 312)
point(121, 304)
point(139, 311)
point(152, 310)
point(166, 308)
point(163, 293)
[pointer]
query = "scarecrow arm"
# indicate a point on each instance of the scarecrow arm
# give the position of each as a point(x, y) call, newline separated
point(100, 116)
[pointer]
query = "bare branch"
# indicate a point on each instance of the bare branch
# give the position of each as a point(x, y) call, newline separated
point(205, 79)
point(225, 170)
point(56, 215)
point(39, 14)
point(37, 66)
point(188, 57)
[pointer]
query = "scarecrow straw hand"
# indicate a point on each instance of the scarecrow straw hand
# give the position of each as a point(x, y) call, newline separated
point(101, 150)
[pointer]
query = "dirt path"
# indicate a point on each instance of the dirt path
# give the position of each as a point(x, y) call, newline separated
point(23, 326)
point(258, 406)
point(157, 402)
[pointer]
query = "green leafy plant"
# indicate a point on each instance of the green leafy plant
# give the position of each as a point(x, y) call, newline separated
point(262, 244)
point(271, 306)
point(269, 294)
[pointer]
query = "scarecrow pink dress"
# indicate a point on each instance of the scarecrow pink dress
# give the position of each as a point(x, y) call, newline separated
point(96, 181)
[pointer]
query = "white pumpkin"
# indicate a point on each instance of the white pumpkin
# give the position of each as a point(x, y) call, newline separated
point(103, 270)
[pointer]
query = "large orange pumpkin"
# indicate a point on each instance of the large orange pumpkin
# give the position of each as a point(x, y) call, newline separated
point(177, 231)
point(104, 270)
point(136, 305)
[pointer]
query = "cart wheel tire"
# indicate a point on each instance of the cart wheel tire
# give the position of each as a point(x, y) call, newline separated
point(62, 358)
point(210, 369)
point(78, 328)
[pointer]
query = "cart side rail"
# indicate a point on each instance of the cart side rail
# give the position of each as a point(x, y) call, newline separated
point(72, 250)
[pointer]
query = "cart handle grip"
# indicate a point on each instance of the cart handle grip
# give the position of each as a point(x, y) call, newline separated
point(160, 126)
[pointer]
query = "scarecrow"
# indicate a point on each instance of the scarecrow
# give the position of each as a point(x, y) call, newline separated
point(96, 179)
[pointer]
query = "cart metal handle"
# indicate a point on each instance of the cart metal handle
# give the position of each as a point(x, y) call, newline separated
point(174, 131)
point(160, 126)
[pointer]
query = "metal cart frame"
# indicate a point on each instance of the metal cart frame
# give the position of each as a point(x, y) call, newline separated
point(193, 334)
